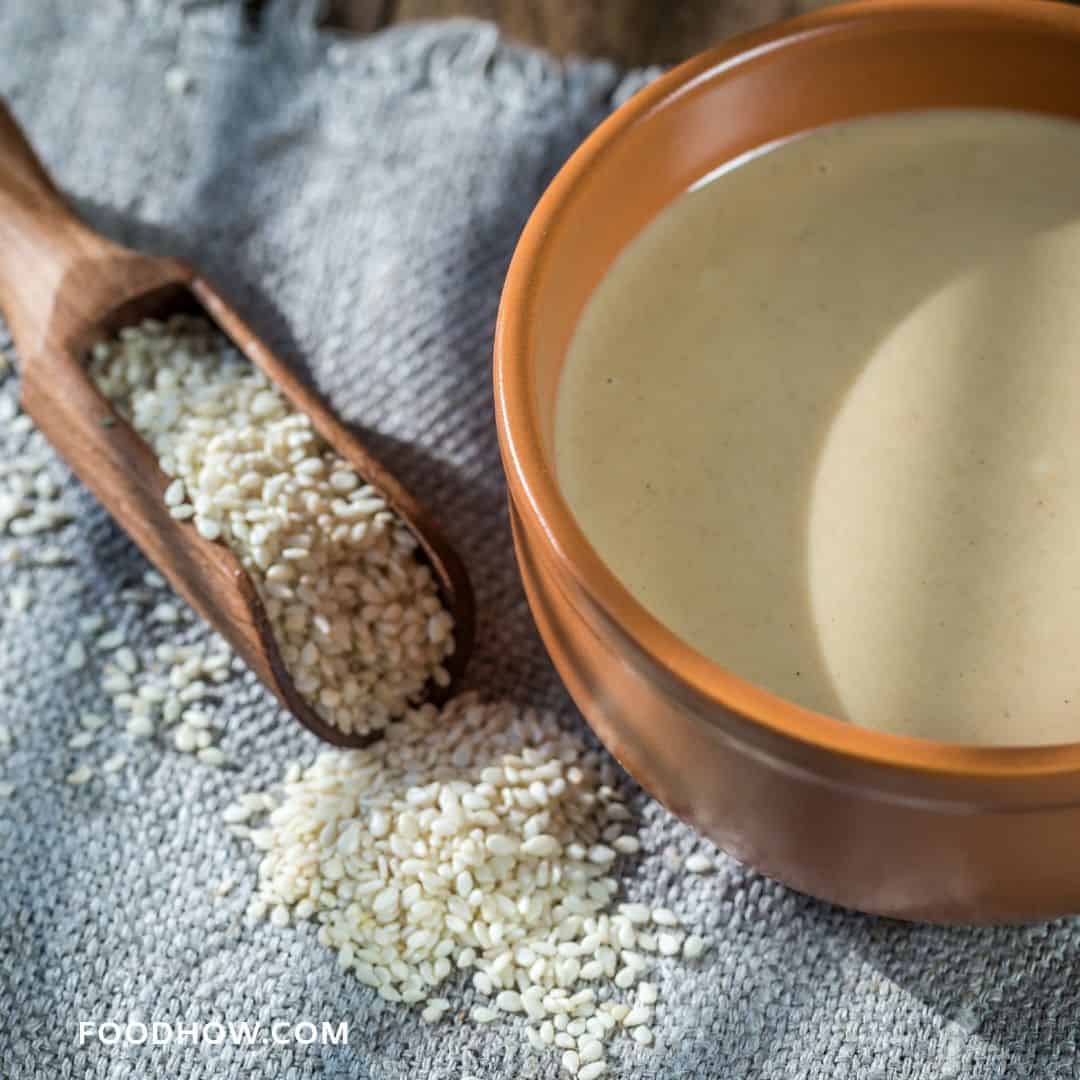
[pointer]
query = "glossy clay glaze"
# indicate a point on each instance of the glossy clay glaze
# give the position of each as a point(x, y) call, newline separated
point(900, 826)
point(822, 418)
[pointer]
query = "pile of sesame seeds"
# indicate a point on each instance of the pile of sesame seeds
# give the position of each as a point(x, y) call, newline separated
point(356, 615)
point(485, 839)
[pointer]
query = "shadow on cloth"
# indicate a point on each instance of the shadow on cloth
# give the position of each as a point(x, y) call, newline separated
point(957, 972)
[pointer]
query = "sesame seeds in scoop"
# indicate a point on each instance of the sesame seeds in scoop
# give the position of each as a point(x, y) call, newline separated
point(356, 616)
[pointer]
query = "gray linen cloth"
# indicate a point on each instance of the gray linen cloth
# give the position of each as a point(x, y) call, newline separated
point(360, 201)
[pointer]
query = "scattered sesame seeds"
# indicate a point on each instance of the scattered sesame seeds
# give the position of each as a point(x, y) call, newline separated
point(79, 775)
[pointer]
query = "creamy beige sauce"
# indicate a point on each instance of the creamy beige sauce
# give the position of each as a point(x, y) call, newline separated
point(822, 418)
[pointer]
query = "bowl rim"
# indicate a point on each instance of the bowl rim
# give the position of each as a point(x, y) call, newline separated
point(540, 499)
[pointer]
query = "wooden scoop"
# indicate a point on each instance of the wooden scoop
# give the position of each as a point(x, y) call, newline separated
point(63, 288)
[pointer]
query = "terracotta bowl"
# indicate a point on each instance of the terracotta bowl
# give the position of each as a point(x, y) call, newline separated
point(897, 826)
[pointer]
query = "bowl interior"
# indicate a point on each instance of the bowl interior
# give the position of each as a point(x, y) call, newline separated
point(839, 64)
point(898, 58)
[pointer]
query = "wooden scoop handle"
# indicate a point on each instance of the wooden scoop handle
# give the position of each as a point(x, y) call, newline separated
point(57, 276)
point(23, 179)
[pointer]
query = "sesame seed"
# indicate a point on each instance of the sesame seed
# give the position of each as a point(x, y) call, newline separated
point(91, 624)
point(184, 739)
point(694, 947)
point(79, 775)
point(125, 659)
point(668, 945)
point(213, 755)
point(51, 556)
point(178, 81)
point(75, 657)
point(591, 1049)
point(638, 914)
point(165, 613)
point(698, 863)
point(141, 727)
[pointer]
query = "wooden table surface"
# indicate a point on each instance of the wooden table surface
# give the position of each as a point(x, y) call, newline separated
point(632, 32)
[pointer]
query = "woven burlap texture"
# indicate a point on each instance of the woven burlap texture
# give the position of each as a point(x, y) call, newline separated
point(360, 201)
